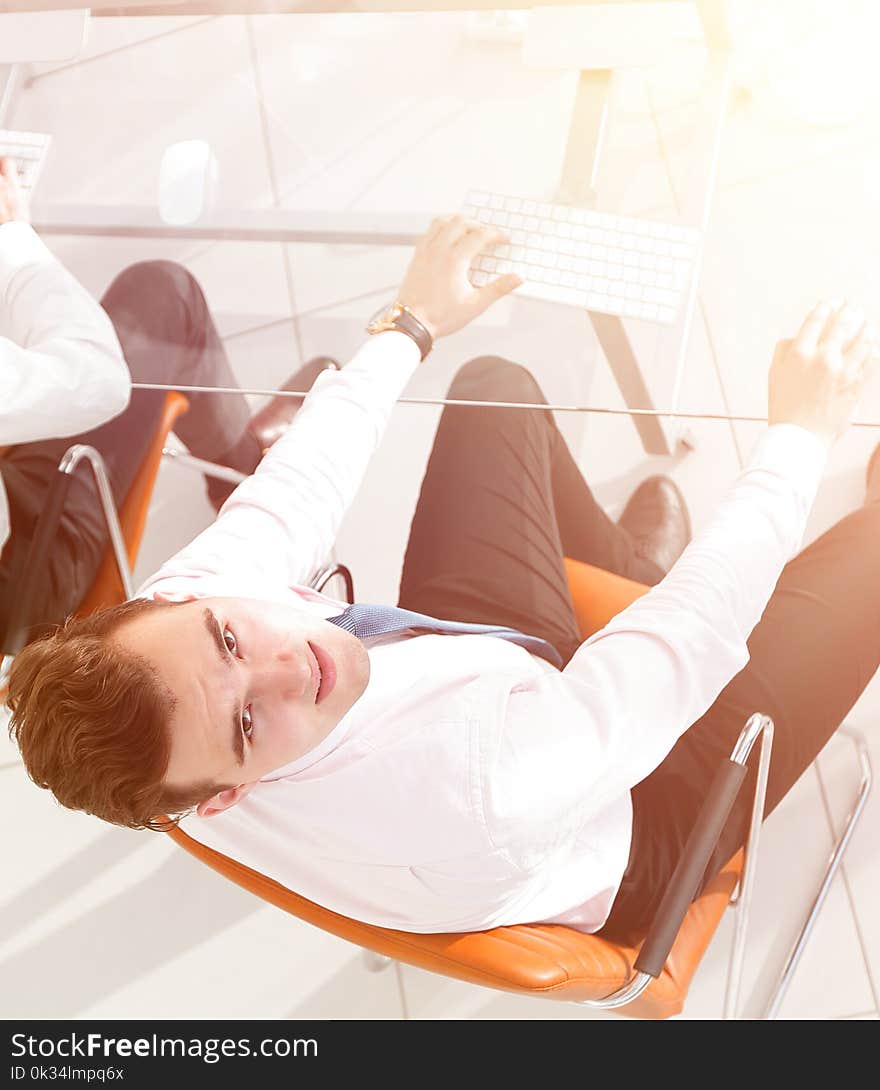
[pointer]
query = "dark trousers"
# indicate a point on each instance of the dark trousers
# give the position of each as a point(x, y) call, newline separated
point(501, 504)
point(167, 336)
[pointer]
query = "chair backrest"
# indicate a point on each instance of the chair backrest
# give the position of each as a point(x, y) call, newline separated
point(539, 960)
point(106, 589)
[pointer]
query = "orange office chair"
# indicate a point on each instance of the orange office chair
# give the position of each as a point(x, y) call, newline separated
point(555, 962)
point(113, 581)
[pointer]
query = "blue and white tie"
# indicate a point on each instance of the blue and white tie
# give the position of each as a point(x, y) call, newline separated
point(364, 620)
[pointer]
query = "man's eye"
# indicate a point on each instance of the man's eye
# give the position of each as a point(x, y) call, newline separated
point(230, 641)
point(247, 722)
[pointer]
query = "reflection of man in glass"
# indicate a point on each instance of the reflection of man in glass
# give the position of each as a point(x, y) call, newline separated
point(62, 371)
point(431, 780)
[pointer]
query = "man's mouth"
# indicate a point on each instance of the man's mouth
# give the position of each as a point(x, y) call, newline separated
point(324, 672)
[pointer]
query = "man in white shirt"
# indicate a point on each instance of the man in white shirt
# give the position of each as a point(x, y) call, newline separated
point(61, 367)
point(434, 781)
point(62, 371)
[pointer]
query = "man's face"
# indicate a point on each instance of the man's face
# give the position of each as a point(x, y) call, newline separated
point(256, 686)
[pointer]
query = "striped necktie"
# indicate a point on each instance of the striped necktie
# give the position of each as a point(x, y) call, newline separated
point(364, 620)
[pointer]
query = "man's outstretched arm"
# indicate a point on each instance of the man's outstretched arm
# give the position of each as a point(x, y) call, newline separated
point(632, 689)
point(280, 524)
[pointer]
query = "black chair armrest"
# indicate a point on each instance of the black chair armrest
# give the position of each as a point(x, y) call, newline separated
point(691, 867)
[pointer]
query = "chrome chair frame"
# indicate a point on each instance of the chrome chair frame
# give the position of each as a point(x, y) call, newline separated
point(758, 726)
point(70, 460)
point(762, 726)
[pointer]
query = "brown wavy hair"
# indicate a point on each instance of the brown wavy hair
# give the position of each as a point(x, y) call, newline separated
point(92, 722)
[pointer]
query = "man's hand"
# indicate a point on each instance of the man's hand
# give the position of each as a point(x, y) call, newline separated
point(13, 205)
point(436, 287)
point(817, 379)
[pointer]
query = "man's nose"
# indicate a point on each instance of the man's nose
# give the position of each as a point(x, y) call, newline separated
point(286, 674)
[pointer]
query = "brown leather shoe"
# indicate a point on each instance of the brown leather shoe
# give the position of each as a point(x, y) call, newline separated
point(657, 518)
point(270, 422)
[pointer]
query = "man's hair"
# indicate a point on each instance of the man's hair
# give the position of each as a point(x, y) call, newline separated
point(92, 722)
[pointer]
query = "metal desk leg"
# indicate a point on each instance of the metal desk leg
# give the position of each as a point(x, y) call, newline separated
point(580, 171)
point(624, 365)
point(586, 136)
point(9, 74)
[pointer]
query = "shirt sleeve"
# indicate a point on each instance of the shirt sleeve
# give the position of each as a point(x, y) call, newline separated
point(280, 524)
point(633, 688)
point(61, 367)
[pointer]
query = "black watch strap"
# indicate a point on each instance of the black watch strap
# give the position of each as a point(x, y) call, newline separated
point(409, 324)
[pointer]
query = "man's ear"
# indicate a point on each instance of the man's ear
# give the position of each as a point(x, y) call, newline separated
point(223, 800)
point(161, 596)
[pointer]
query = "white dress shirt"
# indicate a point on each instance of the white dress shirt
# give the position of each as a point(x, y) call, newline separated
point(61, 367)
point(473, 784)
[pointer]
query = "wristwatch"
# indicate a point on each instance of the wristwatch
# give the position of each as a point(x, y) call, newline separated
point(398, 316)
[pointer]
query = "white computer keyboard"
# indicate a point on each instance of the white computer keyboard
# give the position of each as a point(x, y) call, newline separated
point(28, 149)
point(633, 268)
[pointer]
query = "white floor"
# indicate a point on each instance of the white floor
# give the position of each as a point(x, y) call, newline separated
point(409, 111)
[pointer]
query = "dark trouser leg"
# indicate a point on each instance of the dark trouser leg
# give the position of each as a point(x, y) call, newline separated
point(501, 504)
point(167, 336)
point(815, 649)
